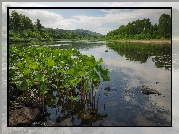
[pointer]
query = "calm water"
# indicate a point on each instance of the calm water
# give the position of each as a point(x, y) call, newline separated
point(131, 65)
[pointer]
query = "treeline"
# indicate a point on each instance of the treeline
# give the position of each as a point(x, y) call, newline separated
point(21, 28)
point(76, 34)
point(143, 29)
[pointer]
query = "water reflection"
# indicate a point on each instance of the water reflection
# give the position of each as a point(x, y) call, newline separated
point(82, 44)
point(131, 65)
point(68, 113)
point(127, 76)
point(161, 54)
point(127, 106)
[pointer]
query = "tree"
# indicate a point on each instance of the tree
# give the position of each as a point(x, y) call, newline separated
point(143, 29)
point(15, 23)
point(38, 25)
point(165, 26)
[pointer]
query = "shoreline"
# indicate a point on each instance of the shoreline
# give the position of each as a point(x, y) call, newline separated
point(146, 41)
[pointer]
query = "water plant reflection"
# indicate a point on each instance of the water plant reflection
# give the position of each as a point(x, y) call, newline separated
point(161, 54)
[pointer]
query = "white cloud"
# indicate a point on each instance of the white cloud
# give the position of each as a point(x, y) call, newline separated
point(104, 30)
point(90, 20)
point(124, 17)
point(104, 10)
point(48, 19)
point(113, 18)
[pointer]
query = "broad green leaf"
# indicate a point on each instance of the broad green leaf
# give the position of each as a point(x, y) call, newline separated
point(43, 92)
point(81, 73)
point(26, 71)
point(34, 66)
point(51, 63)
point(90, 63)
point(101, 60)
point(71, 70)
point(19, 64)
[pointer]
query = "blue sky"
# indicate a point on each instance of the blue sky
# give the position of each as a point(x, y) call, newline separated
point(96, 20)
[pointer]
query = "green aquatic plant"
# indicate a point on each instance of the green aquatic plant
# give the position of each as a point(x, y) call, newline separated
point(42, 66)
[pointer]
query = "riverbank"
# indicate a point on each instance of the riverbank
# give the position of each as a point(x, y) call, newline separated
point(146, 41)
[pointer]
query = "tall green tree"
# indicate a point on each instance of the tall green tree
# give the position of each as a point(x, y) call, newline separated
point(38, 25)
point(15, 21)
point(165, 26)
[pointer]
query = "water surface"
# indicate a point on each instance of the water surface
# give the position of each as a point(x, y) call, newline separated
point(131, 65)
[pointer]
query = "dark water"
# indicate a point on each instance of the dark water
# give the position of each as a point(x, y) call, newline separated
point(131, 65)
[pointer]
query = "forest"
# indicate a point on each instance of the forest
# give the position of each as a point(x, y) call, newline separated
point(143, 29)
point(21, 28)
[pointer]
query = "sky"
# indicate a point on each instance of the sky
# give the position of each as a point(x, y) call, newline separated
point(96, 20)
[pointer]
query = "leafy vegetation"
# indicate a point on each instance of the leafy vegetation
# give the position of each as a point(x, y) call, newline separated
point(143, 29)
point(21, 28)
point(43, 66)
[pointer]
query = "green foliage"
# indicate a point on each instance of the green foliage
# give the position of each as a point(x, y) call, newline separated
point(164, 26)
point(73, 98)
point(45, 65)
point(143, 29)
point(21, 28)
